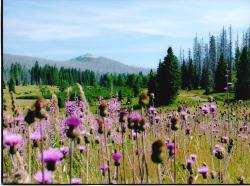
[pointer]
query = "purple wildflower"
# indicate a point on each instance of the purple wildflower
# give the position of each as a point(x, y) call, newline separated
point(157, 119)
point(104, 168)
point(116, 157)
point(51, 157)
point(76, 181)
point(73, 121)
point(135, 117)
point(64, 150)
point(47, 177)
point(193, 157)
point(12, 139)
point(82, 148)
point(203, 171)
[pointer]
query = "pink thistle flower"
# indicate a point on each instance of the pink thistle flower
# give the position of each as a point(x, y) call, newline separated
point(116, 156)
point(135, 117)
point(64, 150)
point(82, 148)
point(203, 171)
point(152, 109)
point(76, 181)
point(35, 136)
point(157, 119)
point(205, 109)
point(47, 177)
point(51, 157)
point(104, 168)
point(73, 121)
point(12, 139)
point(213, 108)
point(193, 157)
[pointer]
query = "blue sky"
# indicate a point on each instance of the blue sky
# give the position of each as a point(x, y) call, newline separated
point(135, 32)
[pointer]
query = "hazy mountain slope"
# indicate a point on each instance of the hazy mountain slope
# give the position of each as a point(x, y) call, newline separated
point(87, 61)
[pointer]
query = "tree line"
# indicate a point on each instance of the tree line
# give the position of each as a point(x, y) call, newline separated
point(211, 67)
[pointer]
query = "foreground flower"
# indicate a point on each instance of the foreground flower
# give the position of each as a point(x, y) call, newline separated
point(72, 122)
point(76, 181)
point(219, 151)
point(170, 147)
point(35, 137)
point(47, 177)
point(12, 140)
point(64, 151)
point(82, 149)
point(104, 168)
point(116, 157)
point(193, 157)
point(51, 157)
point(203, 171)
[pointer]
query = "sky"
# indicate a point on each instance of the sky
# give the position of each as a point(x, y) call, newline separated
point(134, 32)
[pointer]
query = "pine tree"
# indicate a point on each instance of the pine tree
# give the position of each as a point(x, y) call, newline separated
point(184, 76)
point(243, 77)
point(12, 85)
point(152, 82)
point(220, 75)
point(168, 79)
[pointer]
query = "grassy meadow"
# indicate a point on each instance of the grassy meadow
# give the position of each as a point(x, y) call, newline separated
point(136, 165)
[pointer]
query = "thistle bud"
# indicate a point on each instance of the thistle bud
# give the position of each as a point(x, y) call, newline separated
point(158, 148)
point(143, 99)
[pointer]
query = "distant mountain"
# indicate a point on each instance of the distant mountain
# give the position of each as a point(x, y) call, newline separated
point(88, 61)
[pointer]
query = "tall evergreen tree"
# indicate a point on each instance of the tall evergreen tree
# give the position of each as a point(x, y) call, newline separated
point(243, 76)
point(152, 87)
point(168, 78)
point(184, 76)
point(12, 85)
point(220, 75)
point(212, 58)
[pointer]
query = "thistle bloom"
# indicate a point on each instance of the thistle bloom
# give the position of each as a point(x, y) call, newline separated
point(203, 171)
point(213, 108)
point(193, 157)
point(219, 151)
point(116, 157)
point(72, 122)
point(171, 147)
point(51, 157)
point(104, 168)
point(152, 109)
point(82, 148)
point(35, 136)
point(135, 117)
point(157, 119)
point(205, 109)
point(64, 150)
point(76, 181)
point(225, 139)
point(47, 177)
point(189, 164)
point(12, 140)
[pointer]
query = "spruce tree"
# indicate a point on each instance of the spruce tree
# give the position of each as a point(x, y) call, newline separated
point(243, 76)
point(220, 75)
point(184, 76)
point(168, 79)
point(152, 82)
point(12, 85)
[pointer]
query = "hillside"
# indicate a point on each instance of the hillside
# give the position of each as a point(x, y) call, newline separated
point(87, 61)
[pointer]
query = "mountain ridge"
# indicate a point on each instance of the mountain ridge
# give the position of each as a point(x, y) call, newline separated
point(89, 61)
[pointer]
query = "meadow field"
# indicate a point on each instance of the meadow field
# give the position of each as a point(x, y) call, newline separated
point(198, 139)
